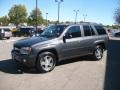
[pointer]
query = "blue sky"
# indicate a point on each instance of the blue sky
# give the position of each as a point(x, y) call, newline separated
point(100, 11)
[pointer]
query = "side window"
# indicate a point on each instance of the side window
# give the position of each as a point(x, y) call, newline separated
point(74, 31)
point(7, 30)
point(92, 31)
point(100, 30)
point(87, 31)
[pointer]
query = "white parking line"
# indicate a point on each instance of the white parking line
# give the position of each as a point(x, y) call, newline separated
point(10, 41)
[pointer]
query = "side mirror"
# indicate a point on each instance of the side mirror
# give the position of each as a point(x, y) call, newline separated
point(64, 39)
point(66, 36)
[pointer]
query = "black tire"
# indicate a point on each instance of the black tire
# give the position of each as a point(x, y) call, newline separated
point(98, 52)
point(8, 37)
point(41, 59)
point(0, 38)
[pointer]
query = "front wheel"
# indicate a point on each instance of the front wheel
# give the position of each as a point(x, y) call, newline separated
point(46, 62)
point(98, 53)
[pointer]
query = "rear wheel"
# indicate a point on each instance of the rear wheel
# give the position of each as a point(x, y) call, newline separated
point(46, 62)
point(98, 53)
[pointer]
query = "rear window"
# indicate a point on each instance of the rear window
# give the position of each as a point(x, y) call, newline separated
point(7, 30)
point(25, 30)
point(100, 30)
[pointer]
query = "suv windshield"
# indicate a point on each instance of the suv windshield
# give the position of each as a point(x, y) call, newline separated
point(53, 31)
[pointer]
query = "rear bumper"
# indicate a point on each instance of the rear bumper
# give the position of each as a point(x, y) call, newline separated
point(26, 60)
point(7, 35)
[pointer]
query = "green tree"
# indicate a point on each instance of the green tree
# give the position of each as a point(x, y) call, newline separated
point(115, 26)
point(18, 14)
point(4, 21)
point(32, 18)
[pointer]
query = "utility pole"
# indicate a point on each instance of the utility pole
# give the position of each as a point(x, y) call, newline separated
point(76, 13)
point(36, 16)
point(84, 16)
point(59, 2)
point(1, 23)
point(46, 19)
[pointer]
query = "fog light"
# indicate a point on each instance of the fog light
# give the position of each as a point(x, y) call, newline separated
point(24, 60)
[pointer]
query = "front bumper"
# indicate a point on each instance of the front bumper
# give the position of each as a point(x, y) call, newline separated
point(26, 60)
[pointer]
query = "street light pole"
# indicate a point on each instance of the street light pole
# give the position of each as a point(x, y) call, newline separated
point(1, 23)
point(76, 12)
point(59, 2)
point(36, 16)
point(46, 19)
point(84, 16)
point(58, 11)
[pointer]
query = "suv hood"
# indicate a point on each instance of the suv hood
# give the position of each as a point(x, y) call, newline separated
point(29, 41)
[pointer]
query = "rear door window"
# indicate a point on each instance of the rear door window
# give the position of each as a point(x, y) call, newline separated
point(87, 30)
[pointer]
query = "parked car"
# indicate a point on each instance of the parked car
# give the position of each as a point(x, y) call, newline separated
point(117, 34)
point(61, 42)
point(110, 32)
point(37, 32)
point(23, 31)
point(5, 33)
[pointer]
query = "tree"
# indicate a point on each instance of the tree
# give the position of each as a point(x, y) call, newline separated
point(115, 26)
point(32, 18)
point(4, 21)
point(117, 15)
point(18, 14)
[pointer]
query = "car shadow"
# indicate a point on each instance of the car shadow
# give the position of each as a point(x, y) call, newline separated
point(8, 66)
point(112, 73)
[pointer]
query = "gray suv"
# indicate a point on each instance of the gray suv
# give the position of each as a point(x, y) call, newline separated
point(61, 42)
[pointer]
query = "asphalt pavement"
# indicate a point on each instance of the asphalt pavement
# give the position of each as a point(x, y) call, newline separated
point(80, 73)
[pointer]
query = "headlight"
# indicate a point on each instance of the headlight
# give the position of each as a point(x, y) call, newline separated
point(25, 50)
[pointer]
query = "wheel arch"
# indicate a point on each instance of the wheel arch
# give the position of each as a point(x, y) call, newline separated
point(52, 50)
point(101, 44)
